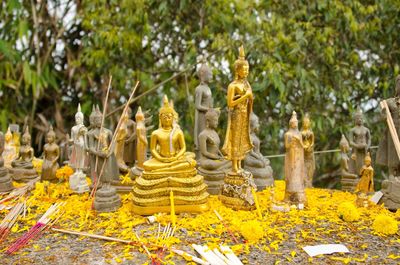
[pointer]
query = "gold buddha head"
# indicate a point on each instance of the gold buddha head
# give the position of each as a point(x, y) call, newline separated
point(344, 144)
point(166, 114)
point(212, 116)
point(139, 115)
point(79, 116)
point(367, 160)
point(8, 136)
point(293, 123)
point(26, 137)
point(204, 73)
point(254, 123)
point(306, 122)
point(241, 65)
point(51, 135)
point(358, 117)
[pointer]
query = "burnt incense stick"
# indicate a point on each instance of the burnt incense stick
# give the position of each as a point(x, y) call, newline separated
point(226, 226)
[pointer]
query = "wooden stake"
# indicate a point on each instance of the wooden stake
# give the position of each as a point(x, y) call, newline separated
point(391, 126)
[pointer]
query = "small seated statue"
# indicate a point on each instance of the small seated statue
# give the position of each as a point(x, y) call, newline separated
point(348, 180)
point(211, 163)
point(171, 168)
point(255, 162)
point(10, 149)
point(5, 179)
point(51, 156)
point(366, 183)
point(22, 167)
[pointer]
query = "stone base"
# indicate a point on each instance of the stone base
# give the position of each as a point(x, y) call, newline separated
point(213, 180)
point(23, 175)
point(122, 188)
point(189, 208)
point(262, 176)
point(391, 193)
point(349, 184)
point(5, 181)
point(135, 172)
point(107, 199)
point(78, 183)
point(295, 198)
point(236, 191)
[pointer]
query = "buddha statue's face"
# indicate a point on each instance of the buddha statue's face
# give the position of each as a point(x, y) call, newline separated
point(213, 121)
point(97, 122)
point(167, 120)
point(78, 119)
point(26, 139)
point(344, 148)
point(294, 124)
point(306, 123)
point(50, 138)
point(358, 120)
point(8, 137)
point(206, 76)
point(367, 162)
point(242, 70)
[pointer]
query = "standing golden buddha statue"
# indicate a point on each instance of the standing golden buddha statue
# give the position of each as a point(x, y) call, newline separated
point(308, 142)
point(171, 168)
point(237, 140)
point(141, 142)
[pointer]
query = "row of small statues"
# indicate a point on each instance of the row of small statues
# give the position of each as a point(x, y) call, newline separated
point(233, 172)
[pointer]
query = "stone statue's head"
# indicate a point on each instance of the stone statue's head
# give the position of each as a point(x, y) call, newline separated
point(254, 123)
point(204, 73)
point(51, 135)
point(344, 144)
point(241, 65)
point(166, 114)
point(358, 117)
point(79, 116)
point(26, 137)
point(212, 116)
point(294, 123)
point(95, 117)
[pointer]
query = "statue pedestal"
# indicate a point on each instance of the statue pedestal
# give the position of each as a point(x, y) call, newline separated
point(78, 183)
point(262, 176)
point(391, 193)
point(214, 180)
point(107, 199)
point(236, 191)
point(349, 183)
point(151, 192)
point(23, 175)
point(5, 181)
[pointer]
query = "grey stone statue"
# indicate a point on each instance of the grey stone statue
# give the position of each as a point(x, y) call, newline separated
point(360, 141)
point(348, 180)
point(255, 162)
point(5, 179)
point(106, 198)
point(211, 163)
point(203, 102)
point(130, 141)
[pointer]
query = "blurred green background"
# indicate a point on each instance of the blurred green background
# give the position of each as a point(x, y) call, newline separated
point(321, 57)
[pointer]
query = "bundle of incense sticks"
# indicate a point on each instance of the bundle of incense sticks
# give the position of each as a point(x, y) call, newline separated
point(17, 193)
point(47, 220)
point(10, 219)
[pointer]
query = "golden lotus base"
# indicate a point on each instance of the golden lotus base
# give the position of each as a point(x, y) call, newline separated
point(188, 208)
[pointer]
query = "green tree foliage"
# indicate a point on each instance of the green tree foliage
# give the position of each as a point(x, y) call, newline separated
point(321, 57)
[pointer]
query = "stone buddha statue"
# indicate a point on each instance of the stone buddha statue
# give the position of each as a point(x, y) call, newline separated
point(203, 102)
point(22, 167)
point(130, 140)
point(348, 180)
point(211, 163)
point(51, 156)
point(10, 149)
point(79, 156)
point(5, 179)
point(99, 139)
point(255, 162)
point(171, 168)
point(360, 141)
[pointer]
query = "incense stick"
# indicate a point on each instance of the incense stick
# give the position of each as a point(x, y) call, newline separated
point(226, 226)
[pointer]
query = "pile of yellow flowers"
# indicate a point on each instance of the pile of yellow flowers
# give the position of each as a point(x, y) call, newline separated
point(329, 217)
point(64, 172)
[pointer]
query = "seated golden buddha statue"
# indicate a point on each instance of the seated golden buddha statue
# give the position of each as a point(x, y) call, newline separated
point(171, 168)
point(22, 167)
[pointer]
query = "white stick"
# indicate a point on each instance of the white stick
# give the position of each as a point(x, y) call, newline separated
point(194, 258)
point(230, 255)
point(206, 255)
point(220, 255)
point(213, 255)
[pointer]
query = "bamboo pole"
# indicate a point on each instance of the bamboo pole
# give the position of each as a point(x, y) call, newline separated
point(391, 126)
